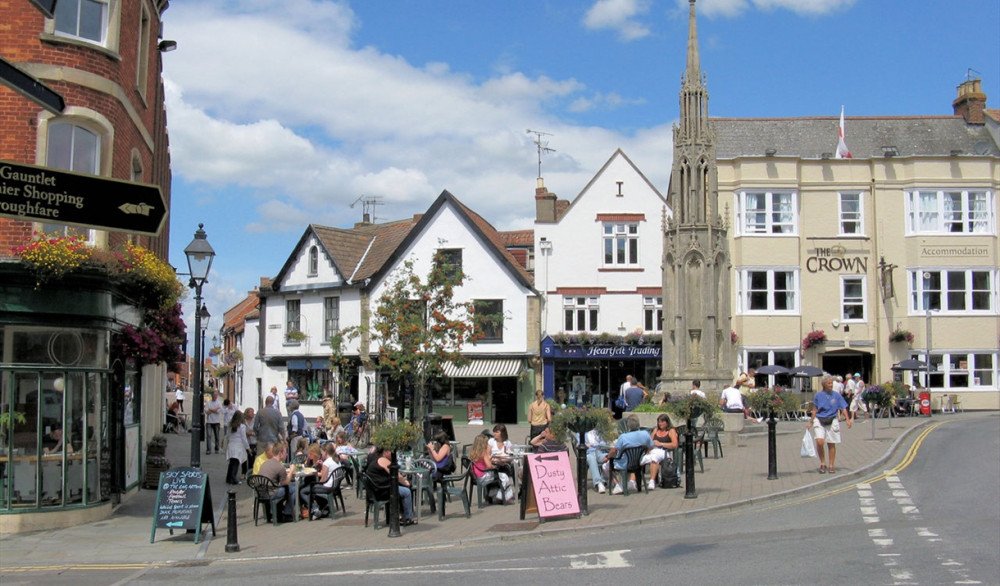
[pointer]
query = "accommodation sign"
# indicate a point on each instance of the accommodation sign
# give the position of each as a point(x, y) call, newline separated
point(40, 194)
point(837, 259)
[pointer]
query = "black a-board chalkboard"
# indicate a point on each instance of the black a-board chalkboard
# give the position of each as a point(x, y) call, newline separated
point(183, 501)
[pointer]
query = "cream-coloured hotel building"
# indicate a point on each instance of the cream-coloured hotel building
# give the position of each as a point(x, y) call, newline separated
point(903, 236)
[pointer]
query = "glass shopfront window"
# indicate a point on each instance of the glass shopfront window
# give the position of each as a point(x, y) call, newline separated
point(51, 417)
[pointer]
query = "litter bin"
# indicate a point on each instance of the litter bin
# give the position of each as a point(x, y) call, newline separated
point(925, 403)
point(432, 425)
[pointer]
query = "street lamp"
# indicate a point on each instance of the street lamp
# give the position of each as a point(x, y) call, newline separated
point(199, 258)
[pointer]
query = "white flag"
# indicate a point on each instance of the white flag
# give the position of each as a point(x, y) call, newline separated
point(842, 150)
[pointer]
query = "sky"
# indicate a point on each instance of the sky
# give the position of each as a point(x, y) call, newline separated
point(282, 114)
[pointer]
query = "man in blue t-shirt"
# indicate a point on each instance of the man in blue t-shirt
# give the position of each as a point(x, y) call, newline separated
point(630, 439)
point(828, 409)
point(634, 395)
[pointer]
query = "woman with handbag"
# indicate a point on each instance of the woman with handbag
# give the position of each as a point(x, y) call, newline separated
point(828, 409)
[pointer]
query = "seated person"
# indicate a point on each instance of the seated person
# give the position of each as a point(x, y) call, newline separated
point(301, 447)
point(266, 452)
point(596, 448)
point(314, 456)
point(333, 427)
point(378, 474)
point(440, 451)
point(546, 442)
point(323, 486)
point(358, 419)
point(500, 447)
point(274, 468)
point(52, 442)
point(632, 438)
point(664, 441)
point(484, 470)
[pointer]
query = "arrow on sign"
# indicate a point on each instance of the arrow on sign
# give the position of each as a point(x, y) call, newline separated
point(541, 458)
point(175, 524)
point(136, 208)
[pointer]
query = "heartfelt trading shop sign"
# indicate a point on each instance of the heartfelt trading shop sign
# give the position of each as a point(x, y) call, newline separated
point(40, 194)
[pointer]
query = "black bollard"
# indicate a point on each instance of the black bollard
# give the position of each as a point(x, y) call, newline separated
point(772, 448)
point(689, 489)
point(232, 542)
point(393, 496)
point(581, 475)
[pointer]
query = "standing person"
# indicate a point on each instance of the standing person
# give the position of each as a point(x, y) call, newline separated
point(237, 447)
point(828, 409)
point(615, 409)
point(859, 402)
point(268, 425)
point(539, 414)
point(213, 419)
point(273, 393)
point(635, 395)
point(179, 397)
point(227, 412)
point(296, 423)
point(696, 389)
point(248, 419)
point(291, 393)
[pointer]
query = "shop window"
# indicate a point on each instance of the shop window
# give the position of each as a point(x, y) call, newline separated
point(961, 370)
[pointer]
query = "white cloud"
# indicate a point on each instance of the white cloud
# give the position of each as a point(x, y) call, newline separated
point(620, 16)
point(734, 8)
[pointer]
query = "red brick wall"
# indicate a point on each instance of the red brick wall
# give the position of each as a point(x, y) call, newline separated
point(21, 42)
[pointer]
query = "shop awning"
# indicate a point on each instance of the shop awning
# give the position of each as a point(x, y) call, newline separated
point(486, 367)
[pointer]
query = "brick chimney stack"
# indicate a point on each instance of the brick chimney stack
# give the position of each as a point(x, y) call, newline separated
point(971, 102)
point(545, 203)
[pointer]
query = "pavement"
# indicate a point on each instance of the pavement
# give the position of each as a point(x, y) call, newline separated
point(738, 479)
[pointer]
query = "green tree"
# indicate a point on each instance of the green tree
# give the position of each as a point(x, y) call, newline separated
point(418, 326)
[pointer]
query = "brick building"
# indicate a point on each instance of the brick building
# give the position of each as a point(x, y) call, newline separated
point(58, 367)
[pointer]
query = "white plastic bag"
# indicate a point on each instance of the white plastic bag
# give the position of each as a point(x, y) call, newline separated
point(808, 446)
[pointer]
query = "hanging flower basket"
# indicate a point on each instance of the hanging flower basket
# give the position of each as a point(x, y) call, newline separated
point(901, 335)
point(813, 338)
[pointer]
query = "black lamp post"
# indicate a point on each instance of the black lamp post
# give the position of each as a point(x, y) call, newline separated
point(772, 447)
point(199, 257)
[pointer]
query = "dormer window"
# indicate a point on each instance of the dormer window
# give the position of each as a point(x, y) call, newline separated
point(313, 261)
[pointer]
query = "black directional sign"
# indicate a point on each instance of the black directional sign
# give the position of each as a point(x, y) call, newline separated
point(40, 194)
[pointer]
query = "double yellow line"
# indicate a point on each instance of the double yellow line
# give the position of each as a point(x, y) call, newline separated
point(907, 460)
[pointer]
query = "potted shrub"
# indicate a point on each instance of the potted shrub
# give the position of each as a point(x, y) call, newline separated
point(580, 420)
point(396, 436)
point(772, 401)
point(689, 407)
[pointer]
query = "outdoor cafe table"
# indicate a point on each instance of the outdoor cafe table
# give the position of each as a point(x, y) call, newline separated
point(417, 477)
point(300, 474)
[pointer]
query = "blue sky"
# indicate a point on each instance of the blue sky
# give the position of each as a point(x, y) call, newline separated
point(282, 114)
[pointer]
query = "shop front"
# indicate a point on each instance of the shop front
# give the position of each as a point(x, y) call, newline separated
point(70, 413)
point(487, 390)
point(592, 374)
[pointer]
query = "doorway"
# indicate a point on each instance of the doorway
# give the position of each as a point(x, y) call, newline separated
point(849, 361)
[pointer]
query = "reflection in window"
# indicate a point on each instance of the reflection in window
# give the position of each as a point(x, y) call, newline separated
point(86, 19)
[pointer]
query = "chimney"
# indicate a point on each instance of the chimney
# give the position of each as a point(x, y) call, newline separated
point(971, 102)
point(545, 204)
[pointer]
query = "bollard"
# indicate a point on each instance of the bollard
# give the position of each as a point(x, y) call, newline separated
point(393, 496)
point(232, 542)
point(772, 448)
point(689, 489)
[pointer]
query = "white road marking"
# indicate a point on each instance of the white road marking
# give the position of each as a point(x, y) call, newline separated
point(591, 561)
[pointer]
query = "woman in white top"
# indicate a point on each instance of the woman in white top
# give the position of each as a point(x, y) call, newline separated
point(324, 485)
point(500, 446)
point(237, 447)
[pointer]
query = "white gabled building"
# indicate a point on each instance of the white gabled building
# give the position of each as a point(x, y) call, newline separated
point(598, 264)
point(334, 276)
